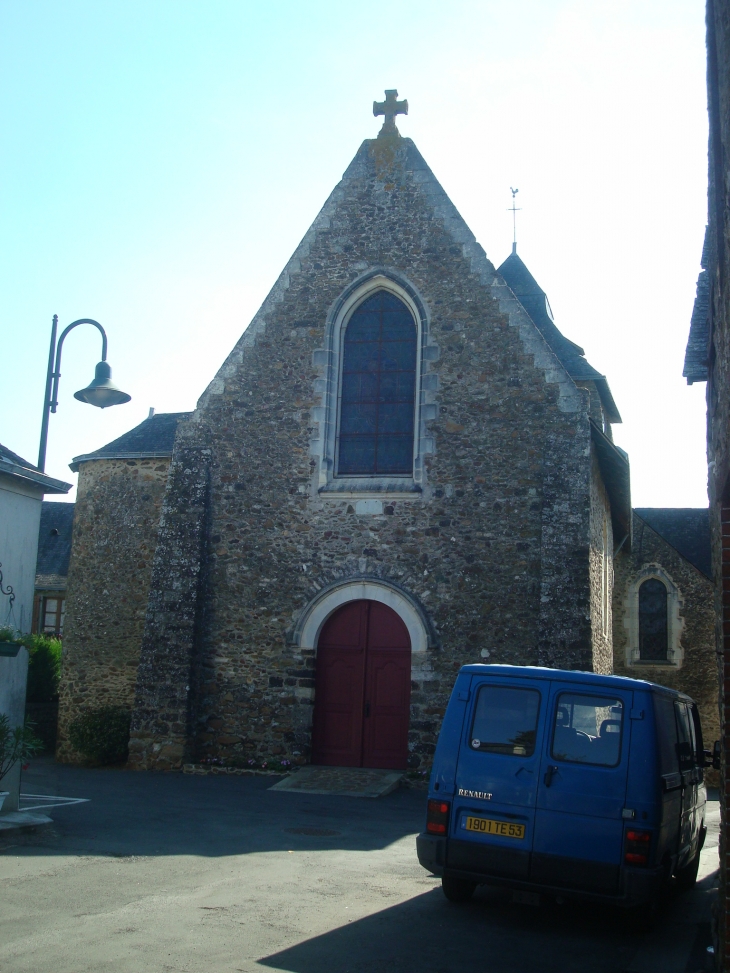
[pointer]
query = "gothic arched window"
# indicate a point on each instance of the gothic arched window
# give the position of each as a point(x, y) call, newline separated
point(653, 627)
point(378, 390)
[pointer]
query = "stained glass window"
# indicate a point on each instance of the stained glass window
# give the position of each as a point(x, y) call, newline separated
point(653, 629)
point(378, 389)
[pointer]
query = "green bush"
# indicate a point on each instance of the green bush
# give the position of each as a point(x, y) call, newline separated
point(44, 667)
point(7, 634)
point(102, 735)
point(16, 744)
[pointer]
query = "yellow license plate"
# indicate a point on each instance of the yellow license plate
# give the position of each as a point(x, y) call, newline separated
point(503, 829)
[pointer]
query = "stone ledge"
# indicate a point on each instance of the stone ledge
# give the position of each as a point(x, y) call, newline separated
point(341, 781)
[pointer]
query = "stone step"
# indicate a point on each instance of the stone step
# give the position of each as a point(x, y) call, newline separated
point(341, 781)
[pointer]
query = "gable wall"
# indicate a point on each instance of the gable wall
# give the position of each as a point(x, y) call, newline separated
point(494, 550)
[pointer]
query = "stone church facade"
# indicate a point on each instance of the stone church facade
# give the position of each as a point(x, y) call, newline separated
point(401, 467)
point(663, 610)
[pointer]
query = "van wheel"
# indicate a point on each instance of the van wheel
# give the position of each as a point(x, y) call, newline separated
point(457, 889)
point(687, 877)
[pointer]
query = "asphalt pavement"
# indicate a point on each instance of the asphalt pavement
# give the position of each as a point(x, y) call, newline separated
point(170, 872)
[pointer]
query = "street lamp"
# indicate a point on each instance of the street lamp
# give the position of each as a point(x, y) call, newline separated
point(101, 392)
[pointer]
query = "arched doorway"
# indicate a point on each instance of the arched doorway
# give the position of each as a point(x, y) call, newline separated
point(362, 689)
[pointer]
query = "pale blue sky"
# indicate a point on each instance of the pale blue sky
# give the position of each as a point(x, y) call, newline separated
point(161, 160)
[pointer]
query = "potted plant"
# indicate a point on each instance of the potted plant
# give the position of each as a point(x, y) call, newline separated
point(10, 644)
point(18, 743)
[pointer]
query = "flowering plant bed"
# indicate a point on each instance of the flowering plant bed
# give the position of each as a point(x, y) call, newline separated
point(215, 765)
point(416, 779)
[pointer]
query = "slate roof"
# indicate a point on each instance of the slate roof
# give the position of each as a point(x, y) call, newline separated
point(153, 437)
point(534, 300)
point(686, 529)
point(14, 465)
point(54, 544)
point(695, 356)
point(8, 454)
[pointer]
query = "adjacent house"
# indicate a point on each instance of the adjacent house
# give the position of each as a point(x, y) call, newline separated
point(54, 552)
point(22, 488)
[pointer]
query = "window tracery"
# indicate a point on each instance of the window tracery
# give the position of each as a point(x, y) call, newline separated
point(653, 627)
point(377, 391)
point(376, 421)
point(653, 619)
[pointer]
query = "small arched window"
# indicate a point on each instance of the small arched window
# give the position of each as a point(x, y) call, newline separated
point(377, 403)
point(653, 627)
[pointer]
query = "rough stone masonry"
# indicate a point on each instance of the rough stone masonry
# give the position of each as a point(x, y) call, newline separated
point(490, 540)
point(210, 547)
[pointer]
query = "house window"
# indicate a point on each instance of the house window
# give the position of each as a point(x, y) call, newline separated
point(50, 613)
point(653, 627)
point(377, 398)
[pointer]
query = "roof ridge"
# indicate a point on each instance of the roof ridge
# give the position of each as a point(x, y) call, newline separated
point(154, 436)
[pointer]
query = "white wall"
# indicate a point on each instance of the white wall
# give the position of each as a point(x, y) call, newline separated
point(20, 515)
point(13, 679)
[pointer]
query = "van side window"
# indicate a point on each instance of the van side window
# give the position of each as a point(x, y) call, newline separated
point(699, 743)
point(666, 731)
point(505, 721)
point(685, 745)
point(588, 729)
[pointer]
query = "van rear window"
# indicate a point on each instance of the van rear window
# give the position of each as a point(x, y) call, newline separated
point(666, 727)
point(686, 746)
point(505, 721)
point(588, 729)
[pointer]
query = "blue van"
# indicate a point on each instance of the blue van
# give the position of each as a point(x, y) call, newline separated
point(570, 783)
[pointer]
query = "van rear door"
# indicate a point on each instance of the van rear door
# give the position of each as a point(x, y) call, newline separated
point(582, 788)
point(691, 816)
point(496, 777)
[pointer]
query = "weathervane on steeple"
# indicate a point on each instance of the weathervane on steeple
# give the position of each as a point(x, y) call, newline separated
point(390, 108)
point(514, 210)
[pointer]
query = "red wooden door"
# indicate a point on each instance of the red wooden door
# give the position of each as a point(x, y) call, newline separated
point(363, 689)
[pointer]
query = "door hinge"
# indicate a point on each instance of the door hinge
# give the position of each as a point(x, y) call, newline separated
point(636, 714)
point(464, 694)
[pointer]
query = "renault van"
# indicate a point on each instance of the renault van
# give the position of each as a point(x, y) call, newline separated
point(569, 783)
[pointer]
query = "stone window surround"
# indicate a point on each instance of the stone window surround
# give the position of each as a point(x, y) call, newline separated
point(675, 622)
point(328, 387)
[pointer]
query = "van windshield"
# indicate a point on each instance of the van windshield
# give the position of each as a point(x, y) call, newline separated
point(505, 721)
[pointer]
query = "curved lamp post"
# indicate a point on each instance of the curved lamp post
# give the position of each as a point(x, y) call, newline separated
point(101, 392)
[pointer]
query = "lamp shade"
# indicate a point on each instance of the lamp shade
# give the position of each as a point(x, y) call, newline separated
point(102, 392)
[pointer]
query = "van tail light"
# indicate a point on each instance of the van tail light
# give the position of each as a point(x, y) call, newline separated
point(636, 847)
point(437, 817)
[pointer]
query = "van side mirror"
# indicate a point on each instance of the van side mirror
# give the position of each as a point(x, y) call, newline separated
point(716, 755)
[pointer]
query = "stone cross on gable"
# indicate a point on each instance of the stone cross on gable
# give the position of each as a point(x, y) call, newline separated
point(390, 108)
